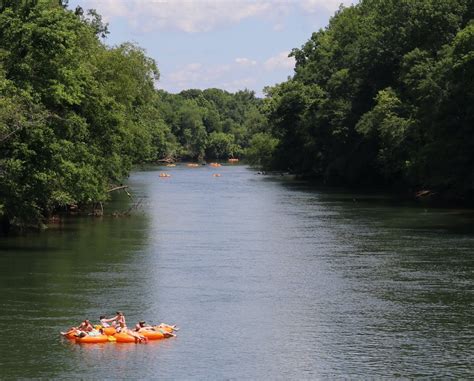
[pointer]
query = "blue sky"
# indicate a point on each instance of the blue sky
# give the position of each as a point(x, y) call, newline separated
point(228, 44)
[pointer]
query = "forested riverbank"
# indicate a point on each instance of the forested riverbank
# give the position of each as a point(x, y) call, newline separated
point(76, 114)
point(382, 96)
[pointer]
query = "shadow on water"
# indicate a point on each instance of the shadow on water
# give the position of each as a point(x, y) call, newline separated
point(393, 210)
point(411, 269)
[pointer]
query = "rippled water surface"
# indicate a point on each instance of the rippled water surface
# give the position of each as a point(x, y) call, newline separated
point(268, 278)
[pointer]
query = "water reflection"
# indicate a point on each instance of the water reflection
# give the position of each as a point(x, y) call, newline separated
point(268, 278)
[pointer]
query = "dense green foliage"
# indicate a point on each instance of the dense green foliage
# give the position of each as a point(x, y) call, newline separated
point(383, 95)
point(75, 114)
point(212, 123)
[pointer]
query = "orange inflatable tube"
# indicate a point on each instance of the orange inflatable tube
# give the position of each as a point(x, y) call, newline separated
point(93, 339)
point(151, 335)
point(124, 338)
point(109, 331)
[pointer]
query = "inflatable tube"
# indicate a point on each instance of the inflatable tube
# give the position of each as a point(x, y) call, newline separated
point(124, 338)
point(109, 331)
point(93, 339)
point(152, 335)
point(165, 328)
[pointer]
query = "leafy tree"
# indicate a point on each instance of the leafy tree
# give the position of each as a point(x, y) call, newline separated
point(387, 124)
point(383, 94)
point(261, 150)
point(221, 146)
point(74, 114)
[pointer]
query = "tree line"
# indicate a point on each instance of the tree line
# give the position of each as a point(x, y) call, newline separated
point(76, 114)
point(383, 95)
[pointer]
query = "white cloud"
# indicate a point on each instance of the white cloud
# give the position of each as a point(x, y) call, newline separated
point(241, 72)
point(245, 62)
point(193, 16)
point(279, 62)
point(312, 6)
point(186, 15)
point(196, 75)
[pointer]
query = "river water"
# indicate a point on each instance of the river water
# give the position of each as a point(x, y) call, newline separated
point(268, 278)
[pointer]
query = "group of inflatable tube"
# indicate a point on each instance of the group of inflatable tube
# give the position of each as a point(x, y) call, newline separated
point(109, 334)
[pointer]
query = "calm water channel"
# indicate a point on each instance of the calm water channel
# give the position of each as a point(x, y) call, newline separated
point(268, 279)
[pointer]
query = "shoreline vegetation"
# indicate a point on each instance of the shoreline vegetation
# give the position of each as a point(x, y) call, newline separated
point(76, 114)
point(382, 97)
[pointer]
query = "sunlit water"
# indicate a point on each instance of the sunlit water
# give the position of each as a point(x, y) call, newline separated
point(268, 278)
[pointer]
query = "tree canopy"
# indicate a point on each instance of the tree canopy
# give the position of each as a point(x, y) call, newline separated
point(383, 95)
point(76, 114)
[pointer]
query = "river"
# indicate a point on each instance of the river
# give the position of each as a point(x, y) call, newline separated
point(267, 278)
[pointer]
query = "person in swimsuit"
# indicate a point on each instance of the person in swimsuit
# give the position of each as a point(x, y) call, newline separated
point(104, 322)
point(73, 330)
point(120, 318)
point(86, 326)
point(81, 330)
point(163, 325)
point(123, 328)
point(141, 325)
